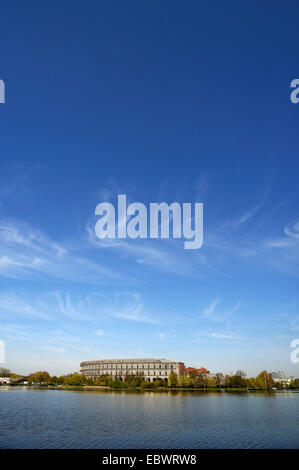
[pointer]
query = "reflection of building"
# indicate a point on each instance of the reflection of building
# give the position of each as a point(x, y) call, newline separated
point(150, 369)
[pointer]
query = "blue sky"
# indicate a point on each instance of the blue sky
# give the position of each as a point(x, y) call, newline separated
point(161, 102)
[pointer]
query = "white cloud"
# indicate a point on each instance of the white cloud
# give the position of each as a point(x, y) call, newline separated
point(210, 309)
point(100, 333)
point(162, 335)
point(292, 229)
point(91, 308)
point(126, 306)
point(248, 215)
point(11, 303)
point(223, 336)
point(211, 313)
point(165, 255)
point(28, 253)
point(52, 349)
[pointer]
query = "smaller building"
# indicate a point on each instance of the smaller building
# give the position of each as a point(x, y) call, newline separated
point(279, 375)
point(281, 378)
point(194, 370)
point(4, 380)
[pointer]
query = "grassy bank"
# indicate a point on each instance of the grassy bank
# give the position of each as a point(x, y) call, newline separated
point(144, 389)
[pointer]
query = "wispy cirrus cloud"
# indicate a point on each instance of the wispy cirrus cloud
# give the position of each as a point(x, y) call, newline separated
point(63, 322)
point(28, 253)
point(52, 349)
point(209, 311)
point(91, 308)
point(10, 303)
point(15, 178)
point(100, 333)
point(164, 255)
point(217, 335)
point(248, 215)
point(223, 336)
point(212, 313)
point(15, 331)
point(164, 334)
point(223, 244)
point(201, 186)
point(125, 306)
point(261, 251)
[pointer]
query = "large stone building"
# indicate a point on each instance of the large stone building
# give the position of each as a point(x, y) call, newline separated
point(150, 369)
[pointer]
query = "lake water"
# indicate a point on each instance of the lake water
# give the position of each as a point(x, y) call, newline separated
point(33, 418)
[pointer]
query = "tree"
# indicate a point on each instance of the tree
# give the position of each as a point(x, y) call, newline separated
point(200, 381)
point(89, 381)
point(14, 378)
point(133, 380)
point(173, 379)
point(219, 379)
point(103, 380)
point(160, 383)
point(211, 382)
point(145, 384)
point(241, 373)
point(75, 379)
point(193, 375)
point(253, 383)
point(60, 380)
point(116, 382)
point(267, 380)
point(236, 381)
point(184, 381)
point(279, 385)
point(4, 372)
point(41, 377)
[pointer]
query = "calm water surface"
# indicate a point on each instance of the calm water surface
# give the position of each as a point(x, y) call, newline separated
point(73, 419)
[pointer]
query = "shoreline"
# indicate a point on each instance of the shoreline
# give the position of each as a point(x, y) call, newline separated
point(140, 389)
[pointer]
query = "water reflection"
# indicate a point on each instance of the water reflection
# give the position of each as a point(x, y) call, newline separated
point(43, 418)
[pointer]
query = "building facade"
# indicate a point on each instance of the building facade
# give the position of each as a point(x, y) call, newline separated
point(197, 371)
point(279, 375)
point(4, 380)
point(150, 369)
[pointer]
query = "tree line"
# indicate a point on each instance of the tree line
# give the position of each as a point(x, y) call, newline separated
point(194, 380)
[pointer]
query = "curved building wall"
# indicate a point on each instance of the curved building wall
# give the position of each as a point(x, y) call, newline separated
point(150, 369)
